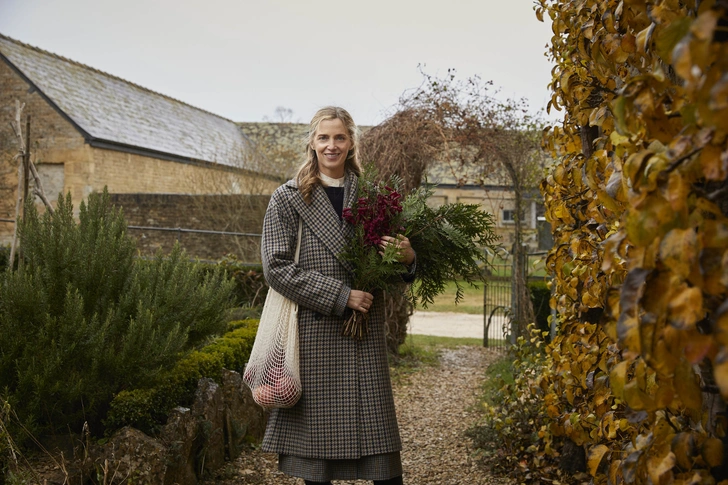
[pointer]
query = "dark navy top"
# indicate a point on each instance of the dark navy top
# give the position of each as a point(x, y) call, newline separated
point(336, 196)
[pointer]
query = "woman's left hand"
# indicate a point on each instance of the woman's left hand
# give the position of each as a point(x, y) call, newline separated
point(406, 253)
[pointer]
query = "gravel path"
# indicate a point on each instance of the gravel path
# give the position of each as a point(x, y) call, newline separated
point(434, 408)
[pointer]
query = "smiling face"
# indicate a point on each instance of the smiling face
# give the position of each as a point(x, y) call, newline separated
point(332, 144)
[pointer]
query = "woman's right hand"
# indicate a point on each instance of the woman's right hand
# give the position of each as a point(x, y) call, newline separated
point(360, 301)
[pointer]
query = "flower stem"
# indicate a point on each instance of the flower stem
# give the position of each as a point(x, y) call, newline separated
point(356, 326)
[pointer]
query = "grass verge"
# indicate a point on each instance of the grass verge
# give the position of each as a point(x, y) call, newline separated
point(497, 375)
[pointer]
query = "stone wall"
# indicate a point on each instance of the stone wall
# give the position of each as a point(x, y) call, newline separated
point(228, 213)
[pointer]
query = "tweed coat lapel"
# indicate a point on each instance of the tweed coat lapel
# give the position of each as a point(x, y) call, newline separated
point(323, 220)
point(350, 193)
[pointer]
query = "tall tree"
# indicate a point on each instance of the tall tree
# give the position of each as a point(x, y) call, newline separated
point(483, 140)
point(487, 140)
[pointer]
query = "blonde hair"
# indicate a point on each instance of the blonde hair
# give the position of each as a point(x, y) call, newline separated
point(308, 174)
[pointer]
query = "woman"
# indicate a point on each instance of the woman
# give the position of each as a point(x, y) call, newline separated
point(344, 426)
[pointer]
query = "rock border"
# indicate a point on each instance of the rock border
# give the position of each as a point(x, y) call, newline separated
point(193, 444)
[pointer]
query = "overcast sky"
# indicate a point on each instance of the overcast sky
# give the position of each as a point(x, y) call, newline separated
point(241, 58)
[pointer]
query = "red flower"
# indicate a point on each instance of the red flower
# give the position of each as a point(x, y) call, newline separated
point(374, 212)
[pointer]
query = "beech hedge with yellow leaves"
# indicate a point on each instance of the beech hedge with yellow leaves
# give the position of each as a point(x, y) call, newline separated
point(638, 202)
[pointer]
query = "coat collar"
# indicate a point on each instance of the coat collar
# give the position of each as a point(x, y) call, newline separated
point(321, 218)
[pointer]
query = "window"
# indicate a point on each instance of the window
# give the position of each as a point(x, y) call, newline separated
point(509, 216)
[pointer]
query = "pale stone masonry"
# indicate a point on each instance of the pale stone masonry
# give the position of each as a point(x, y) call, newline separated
point(91, 130)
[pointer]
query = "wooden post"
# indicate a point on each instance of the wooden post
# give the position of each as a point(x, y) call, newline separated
point(26, 180)
point(26, 162)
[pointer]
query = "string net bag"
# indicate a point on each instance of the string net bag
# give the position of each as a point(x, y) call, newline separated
point(272, 372)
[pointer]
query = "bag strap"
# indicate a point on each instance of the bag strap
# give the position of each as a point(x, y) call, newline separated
point(298, 244)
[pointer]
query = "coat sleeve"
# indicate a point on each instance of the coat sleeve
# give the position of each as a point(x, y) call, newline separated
point(309, 289)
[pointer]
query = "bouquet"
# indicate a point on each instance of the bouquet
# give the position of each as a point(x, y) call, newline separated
point(448, 240)
point(377, 212)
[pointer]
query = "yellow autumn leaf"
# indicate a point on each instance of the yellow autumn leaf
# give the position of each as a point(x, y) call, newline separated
point(629, 43)
point(720, 371)
point(615, 471)
point(663, 395)
point(685, 307)
point(679, 250)
point(704, 26)
point(644, 37)
point(711, 159)
point(720, 327)
point(667, 38)
point(712, 452)
point(681, 58)
point(677, 191)
point(683, 447)
point(636, 398)
point(719, 94)
point(650, 221)
point(715, 234)
point(618, 378)
point(660, 465)
point(687, 386)
point(698, 347)
point(539, 14)
point(624, 424)
point(596, 455)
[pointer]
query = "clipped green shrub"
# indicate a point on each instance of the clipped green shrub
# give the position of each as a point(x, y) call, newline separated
point(85, 319)
point(540, 296)
point(147, 408)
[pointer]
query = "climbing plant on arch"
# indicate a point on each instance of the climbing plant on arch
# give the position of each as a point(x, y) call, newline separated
point(638, 203)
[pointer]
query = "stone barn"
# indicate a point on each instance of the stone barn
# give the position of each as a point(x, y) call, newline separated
point(155, 154)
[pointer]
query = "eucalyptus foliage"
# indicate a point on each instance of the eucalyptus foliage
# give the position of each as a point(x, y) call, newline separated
point(83, 318)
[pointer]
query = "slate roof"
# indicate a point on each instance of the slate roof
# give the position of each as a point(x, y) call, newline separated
point(117, 114)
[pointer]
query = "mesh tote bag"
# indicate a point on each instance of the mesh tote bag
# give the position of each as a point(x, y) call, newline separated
point(272, 371)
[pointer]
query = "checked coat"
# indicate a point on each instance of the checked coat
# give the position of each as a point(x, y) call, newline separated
point(346, 410)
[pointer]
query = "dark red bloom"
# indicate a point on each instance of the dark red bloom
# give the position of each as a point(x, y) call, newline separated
point(375, 213)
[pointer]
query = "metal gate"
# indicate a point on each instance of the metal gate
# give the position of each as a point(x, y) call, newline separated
point(497, 306)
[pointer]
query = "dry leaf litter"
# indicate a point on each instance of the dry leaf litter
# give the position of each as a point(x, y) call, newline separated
point(435, 406)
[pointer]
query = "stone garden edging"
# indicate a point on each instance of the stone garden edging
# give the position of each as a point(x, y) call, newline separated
point(193, 443)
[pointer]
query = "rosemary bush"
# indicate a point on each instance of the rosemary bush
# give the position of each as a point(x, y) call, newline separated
point(83, 319)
